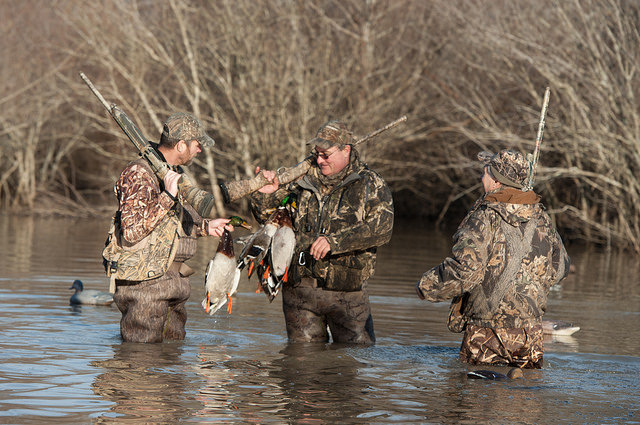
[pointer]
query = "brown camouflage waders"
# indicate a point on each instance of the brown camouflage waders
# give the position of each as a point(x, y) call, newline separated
point(515, 347)
point(153, 309)
point(308, 310)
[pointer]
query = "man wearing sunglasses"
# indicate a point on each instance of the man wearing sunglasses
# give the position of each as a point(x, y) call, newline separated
point(344, 212)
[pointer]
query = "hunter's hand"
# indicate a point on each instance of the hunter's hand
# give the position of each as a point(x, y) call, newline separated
point(319, 248)
point(217, 226)
point(171, 182)
point(271, 176)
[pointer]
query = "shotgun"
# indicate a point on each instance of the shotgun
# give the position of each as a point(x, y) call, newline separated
point(533, 158)
point(237, 189)
point(201, 200)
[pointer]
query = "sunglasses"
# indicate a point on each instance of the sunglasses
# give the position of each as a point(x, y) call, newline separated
point(323, 155)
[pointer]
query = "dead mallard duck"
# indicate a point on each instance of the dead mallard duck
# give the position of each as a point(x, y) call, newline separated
point(222, 275)
point(270, 250)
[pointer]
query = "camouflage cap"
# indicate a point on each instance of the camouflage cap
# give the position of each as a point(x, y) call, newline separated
point(507, 166)
point(332, 133)
point(184, 126)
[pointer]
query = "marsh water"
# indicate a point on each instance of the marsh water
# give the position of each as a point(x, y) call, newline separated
point(68, 365)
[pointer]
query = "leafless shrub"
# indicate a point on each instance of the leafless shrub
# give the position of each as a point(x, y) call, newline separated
point(587, 51)
point(264, 76)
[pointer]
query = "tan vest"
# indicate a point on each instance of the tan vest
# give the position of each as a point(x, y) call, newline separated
point(147, 259)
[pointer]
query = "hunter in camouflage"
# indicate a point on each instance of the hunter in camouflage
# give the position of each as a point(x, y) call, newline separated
point(153, 307)
point(344, 211)
point(506, 256)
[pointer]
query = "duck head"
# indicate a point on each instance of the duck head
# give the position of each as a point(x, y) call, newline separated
point(290, 199)
point(77, 285)
point(239, 221)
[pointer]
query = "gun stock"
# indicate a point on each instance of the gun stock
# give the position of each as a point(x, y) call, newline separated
point(233, 191)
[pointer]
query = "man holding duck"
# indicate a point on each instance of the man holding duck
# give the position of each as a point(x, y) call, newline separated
point(506, 256)
point(344, 212)
point(156, 233)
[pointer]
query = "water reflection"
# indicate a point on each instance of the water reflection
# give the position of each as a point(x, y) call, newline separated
point(488, 401)
point(214, 396)
point(19, 235)
point(303, 383)
point(317, 379)
point(67, 364)
point(146, 383)
point(566, 342)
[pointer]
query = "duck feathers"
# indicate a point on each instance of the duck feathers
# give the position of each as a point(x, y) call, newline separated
point(283, 246)
point(269, 252)
point(221, 277)
point(256, 248)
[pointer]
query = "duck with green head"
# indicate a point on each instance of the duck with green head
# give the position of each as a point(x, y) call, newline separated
point(89, 296)
point(270, 249)
point(282, 248)
point(222, 276)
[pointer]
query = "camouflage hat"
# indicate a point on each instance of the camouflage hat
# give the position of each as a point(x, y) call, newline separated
point(507, 166)
point(184, 126)
point(332, 133)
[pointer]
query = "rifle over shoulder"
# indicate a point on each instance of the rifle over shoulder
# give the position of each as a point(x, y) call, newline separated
point(201, 200)
point(237, 189)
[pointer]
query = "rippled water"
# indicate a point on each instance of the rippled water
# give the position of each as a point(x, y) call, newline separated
point(64, 364)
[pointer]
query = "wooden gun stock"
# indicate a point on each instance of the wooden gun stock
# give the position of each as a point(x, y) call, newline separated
point(235, 190)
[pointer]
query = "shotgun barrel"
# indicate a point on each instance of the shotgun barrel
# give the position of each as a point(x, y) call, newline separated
point(533, 158)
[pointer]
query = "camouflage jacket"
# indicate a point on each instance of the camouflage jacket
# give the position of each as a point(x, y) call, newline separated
point(498, 289)
point(143, 204)
point(353, 211)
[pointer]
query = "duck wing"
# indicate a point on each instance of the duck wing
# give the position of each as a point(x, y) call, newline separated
point(267, 283)
point(256, 248)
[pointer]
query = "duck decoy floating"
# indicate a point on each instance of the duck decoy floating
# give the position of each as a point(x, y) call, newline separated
point(514, 373)
point(89, 296)
point(557, 327)
point(222, 275)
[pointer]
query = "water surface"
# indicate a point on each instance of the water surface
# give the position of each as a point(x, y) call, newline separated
point(66, 364)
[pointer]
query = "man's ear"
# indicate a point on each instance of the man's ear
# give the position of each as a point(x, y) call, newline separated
point(181, 145)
